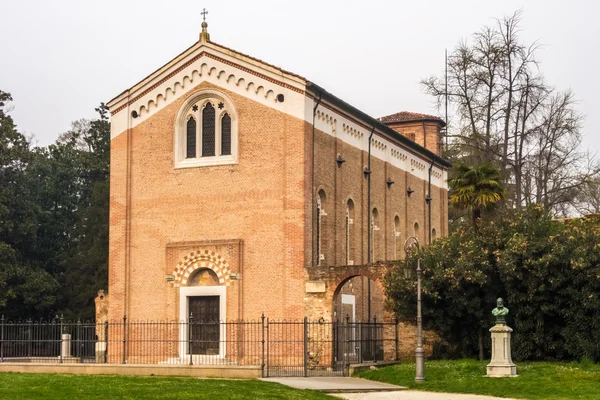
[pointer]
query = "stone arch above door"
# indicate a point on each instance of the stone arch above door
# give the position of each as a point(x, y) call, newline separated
point(198, 260)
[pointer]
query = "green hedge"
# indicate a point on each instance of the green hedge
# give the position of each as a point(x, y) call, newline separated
point(547, 271)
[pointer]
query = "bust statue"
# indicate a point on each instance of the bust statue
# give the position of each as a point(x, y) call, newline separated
point(500, 312)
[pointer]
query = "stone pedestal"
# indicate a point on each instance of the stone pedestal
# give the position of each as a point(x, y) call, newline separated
point(65, 348)
point(101, 326)
point(501, 364)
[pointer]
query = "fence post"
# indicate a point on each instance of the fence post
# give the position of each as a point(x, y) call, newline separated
point(396, 339)
point(60, 333)
point(268, 344)
point(374, 339)
point(305, 360)
point(2, 338)
point(29, 340)
point(78, 340)
point(124, 339)
point(190, 325)
point(348, 346)
point(106, 342)
point(262, 341)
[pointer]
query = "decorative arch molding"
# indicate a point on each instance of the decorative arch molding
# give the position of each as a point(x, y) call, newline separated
point(211, 69)
point(202, 259)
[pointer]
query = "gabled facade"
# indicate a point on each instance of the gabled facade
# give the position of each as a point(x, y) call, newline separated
point(232, 180)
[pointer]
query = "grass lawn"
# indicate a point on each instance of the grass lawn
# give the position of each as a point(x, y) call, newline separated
point(16, 386)
point(539, 380)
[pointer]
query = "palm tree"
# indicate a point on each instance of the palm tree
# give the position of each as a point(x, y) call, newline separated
point(476, 188)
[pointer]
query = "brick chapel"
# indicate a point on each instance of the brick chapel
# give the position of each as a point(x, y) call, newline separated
point(238, 188)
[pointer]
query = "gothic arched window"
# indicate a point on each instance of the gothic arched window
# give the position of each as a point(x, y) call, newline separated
point(226, 135)
point(190, 138)
point(206, 131)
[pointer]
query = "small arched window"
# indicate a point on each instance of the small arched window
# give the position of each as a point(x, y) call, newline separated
point(206, 132)
point(320, 228)
point(349, 233)
point(374, 235)
point(433, 234)
point(396, 236)
point(416, 230)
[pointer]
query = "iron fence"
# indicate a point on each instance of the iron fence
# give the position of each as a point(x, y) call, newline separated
point(280, 348)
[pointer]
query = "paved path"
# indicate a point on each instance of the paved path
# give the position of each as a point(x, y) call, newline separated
point(413, 395)
point(335, 384)
point(363, 389)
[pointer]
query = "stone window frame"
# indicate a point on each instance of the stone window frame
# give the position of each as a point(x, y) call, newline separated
point(200, 99)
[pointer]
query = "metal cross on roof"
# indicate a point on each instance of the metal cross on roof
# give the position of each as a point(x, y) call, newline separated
point(204, 12)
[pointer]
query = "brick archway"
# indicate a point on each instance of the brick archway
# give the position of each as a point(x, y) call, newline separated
point(320, 305)
point(201, 259)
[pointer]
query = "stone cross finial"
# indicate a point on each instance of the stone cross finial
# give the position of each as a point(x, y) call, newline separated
point(204, 35)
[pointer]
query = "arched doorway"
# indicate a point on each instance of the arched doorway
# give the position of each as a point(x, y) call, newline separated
point(358, 306)
point(202, 305)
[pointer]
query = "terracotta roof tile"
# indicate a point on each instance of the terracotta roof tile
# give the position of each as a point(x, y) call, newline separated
point(405, 116)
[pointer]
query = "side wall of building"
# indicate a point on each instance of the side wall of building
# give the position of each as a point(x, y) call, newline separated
point(349, 182)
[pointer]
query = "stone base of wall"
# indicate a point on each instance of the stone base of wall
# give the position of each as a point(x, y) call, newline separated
point(136, 369)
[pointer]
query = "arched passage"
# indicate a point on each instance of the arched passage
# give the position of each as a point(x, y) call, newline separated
point(359, 299)
point(358, 304)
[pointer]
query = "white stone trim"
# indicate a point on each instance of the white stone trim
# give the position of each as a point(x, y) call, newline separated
point(264, 90)
point(184, 312)
point(211, 70)
point(336, 124)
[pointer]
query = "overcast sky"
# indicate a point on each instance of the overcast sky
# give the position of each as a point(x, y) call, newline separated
point(61, 58)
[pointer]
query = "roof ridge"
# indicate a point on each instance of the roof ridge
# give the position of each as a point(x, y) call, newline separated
point(403, 116)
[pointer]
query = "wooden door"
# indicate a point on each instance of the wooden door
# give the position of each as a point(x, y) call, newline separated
point(205, 326)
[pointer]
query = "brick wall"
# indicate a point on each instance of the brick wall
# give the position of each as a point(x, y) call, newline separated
point(349, 182)
point(257, 215)
point(424, 133)
point(259, 200)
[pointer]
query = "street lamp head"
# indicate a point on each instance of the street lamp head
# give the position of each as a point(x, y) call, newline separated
point(411, 244)
point(407, 270)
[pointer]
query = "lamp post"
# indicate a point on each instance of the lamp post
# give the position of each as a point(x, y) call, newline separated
point(410, 244)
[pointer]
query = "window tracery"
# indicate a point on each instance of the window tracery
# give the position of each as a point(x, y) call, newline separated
point(206, 132)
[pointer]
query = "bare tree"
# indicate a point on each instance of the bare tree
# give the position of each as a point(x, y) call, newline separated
point(588, 198)
point(505, 113)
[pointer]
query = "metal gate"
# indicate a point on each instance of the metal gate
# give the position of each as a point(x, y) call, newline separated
point(321, 348)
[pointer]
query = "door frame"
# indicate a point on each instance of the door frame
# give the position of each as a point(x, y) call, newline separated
point(196, 291)
point(350, 300)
